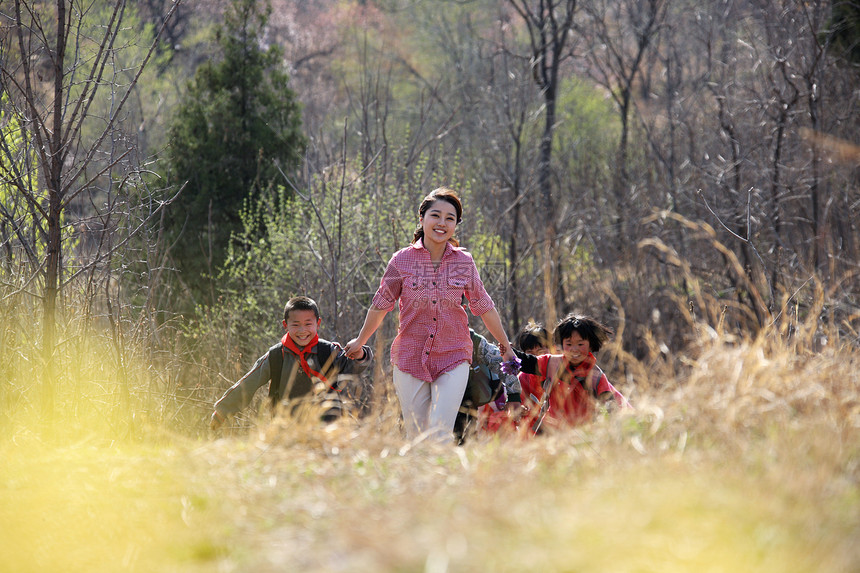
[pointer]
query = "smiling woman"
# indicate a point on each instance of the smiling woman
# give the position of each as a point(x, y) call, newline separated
point(433, 348)
point(437, 221)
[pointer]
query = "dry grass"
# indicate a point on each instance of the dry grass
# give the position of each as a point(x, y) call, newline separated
point(748, 461)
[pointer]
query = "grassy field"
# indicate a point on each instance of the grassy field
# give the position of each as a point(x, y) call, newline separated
point(748, 462)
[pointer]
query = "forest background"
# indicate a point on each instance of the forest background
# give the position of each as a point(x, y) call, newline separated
point(687, 172)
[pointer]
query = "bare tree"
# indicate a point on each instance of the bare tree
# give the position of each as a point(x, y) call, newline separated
point(728, 162)
point(64, 83)
point(508, 128)
point(549, 24)
point(619, 35)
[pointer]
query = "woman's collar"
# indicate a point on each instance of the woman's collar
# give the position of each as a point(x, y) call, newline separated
point(449, 248)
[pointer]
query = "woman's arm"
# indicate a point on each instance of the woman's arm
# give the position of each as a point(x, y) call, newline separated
point(493, 322)
point(374, 318)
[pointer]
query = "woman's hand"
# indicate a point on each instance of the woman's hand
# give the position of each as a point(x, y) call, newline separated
point(354, 350)
point(494, 324)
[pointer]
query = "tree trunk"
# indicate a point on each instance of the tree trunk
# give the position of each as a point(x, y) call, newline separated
point(55, 206)
point(551, 302)
point(513, 256)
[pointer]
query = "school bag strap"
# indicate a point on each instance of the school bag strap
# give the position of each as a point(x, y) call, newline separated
point(596, 374)
point(591, 381)
point(276, 364)
point(483, 385)
point(547, 385)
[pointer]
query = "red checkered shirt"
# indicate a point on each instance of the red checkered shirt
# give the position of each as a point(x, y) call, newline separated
point(433, 336)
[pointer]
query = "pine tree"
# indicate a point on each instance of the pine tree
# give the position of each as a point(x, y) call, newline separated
point(845, 30)
point(238, 123)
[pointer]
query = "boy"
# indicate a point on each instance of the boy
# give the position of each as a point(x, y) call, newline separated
point(297, 368)
point(569, 387)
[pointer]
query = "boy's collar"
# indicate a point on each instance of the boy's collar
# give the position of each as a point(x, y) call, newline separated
point(311, 347)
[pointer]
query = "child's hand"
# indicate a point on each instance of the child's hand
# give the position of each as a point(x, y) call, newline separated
point(216, 420)
point(515, 410)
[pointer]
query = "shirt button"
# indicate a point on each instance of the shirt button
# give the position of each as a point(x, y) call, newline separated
point(431, 336)
point(427, 353)
point(434, 319)
point(434, 302)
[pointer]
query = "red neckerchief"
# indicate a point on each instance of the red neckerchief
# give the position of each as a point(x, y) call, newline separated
point(580, 372)
point(289, 343)
point(566, 373)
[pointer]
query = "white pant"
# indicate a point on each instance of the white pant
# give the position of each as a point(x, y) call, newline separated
point(431, 407)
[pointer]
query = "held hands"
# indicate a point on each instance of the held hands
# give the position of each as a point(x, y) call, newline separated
point(354, 350)
point(506, 352)
point(515, 410)
point(511, 363)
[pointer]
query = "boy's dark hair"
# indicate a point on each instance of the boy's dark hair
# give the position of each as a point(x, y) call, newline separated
point(301, 303)
point(587, 327)
point(533, 335)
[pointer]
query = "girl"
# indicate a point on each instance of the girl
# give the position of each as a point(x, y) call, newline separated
point(532, 339)
point(569, 387)
point(433, 349)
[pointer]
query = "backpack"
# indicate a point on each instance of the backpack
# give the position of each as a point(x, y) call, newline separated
point(276, 365)
point(482, 386)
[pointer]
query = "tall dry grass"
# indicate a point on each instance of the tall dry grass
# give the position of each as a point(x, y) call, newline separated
point(742, 454)
point(107, 378)
point(749, 462)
